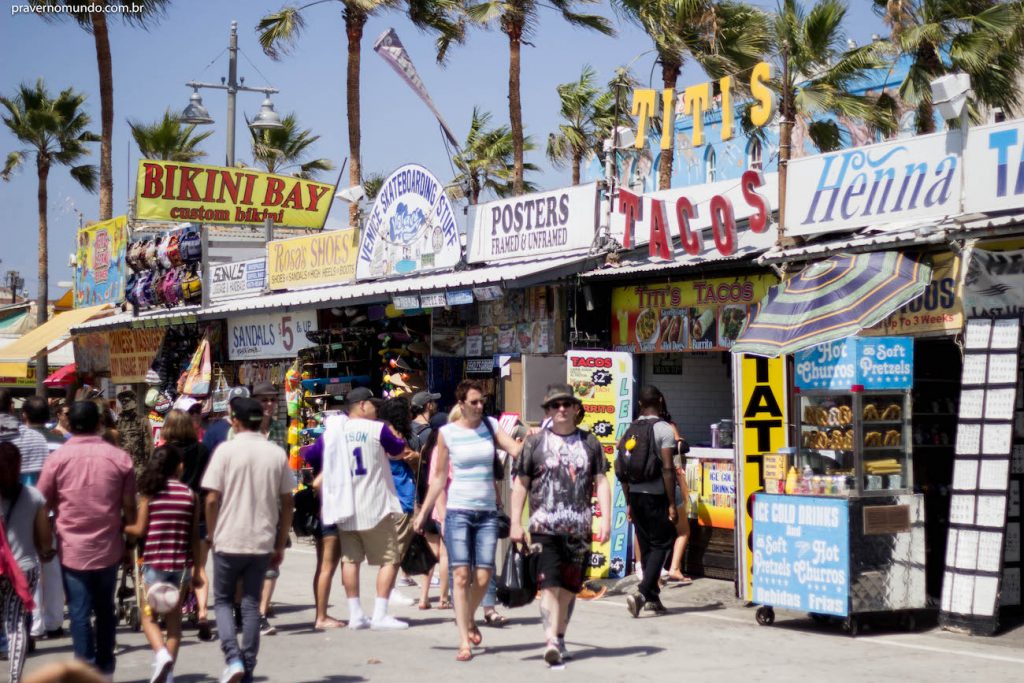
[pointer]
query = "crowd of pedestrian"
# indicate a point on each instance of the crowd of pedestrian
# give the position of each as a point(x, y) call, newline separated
point(220, 490)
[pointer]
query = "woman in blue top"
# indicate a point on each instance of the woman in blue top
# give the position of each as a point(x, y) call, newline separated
point(471, 519)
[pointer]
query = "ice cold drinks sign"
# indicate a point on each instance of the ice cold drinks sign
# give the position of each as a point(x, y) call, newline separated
point(801, 553)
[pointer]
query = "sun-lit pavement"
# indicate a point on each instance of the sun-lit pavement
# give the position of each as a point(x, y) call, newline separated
point(707, 634)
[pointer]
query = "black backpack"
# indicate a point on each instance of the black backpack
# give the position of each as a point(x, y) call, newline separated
point(642, 463)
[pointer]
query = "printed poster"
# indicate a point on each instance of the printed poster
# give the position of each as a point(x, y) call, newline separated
point(603, 381)
point(132, 352)
point(938, 311)
point(100, 268)
point(994, 285)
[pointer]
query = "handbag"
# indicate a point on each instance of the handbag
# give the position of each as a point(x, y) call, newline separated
point(504, 524)
point(306, 520)
point(200, 371)
point(419, 557)
point(497, 465)
point(517, 585)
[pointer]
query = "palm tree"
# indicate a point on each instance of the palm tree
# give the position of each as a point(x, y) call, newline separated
point(55, 131)
point(281, 149)
point(485, 162)
point(585, 110)
point(91, 17)
point(280, 31)
point(168, 139)
point(518, 19)
point(983, 38)
point(818, 78)
point(723, 37)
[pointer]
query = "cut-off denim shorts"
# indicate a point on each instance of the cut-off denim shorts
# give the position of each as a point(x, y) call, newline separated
point(471, 538)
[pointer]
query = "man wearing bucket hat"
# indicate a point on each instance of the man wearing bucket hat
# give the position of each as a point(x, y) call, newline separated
point(559, 467)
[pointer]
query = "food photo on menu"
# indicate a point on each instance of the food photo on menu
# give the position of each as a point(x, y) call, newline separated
point(730, 323)
point(703, 328)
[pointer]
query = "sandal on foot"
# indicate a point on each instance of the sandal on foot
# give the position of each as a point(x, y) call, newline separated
point(494, 619)
point(475, 636)
point(424, 604)
point(464, 655)
point(444, 604)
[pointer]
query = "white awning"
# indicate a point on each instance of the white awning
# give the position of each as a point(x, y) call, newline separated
point(512, 274)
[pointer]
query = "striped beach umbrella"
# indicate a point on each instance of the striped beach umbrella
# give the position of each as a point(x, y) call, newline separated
point(832, 299)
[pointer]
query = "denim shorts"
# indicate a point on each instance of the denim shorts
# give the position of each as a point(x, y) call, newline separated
point(153, 575)
point(471, 538)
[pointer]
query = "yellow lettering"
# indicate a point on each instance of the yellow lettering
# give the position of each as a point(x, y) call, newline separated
point(760, 113)
point(643, 108)
point(696, 100)
point(726, 87)
point(668, 98)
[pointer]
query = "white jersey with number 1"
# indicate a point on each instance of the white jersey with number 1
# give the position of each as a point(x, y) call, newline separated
point(372, 484)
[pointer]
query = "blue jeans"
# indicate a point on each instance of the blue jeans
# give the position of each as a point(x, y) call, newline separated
point(471, 537)
point(91, 592)
point(227, 571)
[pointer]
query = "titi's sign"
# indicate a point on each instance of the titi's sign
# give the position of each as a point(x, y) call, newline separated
point(172, 190)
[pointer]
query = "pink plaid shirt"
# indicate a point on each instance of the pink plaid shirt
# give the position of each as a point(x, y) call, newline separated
point(85, 482)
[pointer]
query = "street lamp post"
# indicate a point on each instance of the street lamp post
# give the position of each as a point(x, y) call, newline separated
point(196, 113)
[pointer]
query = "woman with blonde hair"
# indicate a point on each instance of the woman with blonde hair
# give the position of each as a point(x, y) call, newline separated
point(179, 431)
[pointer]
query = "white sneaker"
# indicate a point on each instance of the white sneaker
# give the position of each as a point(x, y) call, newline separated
point(162, 664)
point(397, 598)
point(359, 624)
point(406, 581)
point(233, 673)
point(388, 623)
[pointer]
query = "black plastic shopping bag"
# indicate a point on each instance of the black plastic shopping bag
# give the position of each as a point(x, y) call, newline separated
point(419, 558)
point(517, 585)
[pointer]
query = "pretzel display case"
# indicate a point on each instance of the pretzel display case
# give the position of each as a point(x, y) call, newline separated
point(855, 442)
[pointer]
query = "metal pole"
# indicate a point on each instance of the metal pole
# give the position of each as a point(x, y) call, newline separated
point(232, 90)
point(268, 230)
point(204, 264)
point(785, 141)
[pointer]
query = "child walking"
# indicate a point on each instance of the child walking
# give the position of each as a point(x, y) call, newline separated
point(168, 522)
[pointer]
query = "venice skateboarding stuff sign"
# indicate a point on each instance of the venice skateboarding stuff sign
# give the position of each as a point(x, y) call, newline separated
point(603, 381)
point(411, 228)
point(179, 191)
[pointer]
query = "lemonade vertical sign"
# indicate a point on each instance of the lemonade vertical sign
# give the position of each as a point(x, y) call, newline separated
point(603, 381)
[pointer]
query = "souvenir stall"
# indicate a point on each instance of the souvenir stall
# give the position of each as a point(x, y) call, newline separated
point(839, 532)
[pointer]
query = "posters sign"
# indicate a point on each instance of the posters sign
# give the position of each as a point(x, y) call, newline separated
point(234, 280)
point(92, 353)
point(269, 335)
point(100, 268)
point(411, 228)
point(716, 505)
point(691, 315)
point(900, 180)
point(326, 258)
point(180, 191)
point(873, 363)
point(603, 381)
point(132, 352)
point(761, 406)
point(802, 553)
point(539, 223)
point(994, 285)
point(938, 311)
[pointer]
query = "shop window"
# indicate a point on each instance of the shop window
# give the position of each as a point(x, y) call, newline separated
point(710, 162)
point(754, 153)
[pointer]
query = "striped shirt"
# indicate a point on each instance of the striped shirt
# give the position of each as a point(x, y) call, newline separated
point(34, 449)
point(471, 453)
point(169, 533)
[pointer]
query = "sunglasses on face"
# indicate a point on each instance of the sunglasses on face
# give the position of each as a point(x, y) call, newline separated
point(478, 402)
point(556, 405)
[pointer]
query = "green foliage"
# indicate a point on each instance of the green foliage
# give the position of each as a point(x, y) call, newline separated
point(280, 149)
point(168, 139)
point(485, 161)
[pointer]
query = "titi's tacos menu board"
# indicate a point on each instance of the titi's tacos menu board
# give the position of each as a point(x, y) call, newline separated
point(692, 315)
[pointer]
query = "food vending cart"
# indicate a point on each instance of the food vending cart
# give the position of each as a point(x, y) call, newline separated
point(839, 532)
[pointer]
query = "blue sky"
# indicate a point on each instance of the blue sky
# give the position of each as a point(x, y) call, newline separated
point(151, 68)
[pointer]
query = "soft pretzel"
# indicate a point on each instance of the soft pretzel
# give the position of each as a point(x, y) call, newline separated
point(845, 415)
point(833, 416)
point(873, 439)
point(870, 412)
point(891, 412)
point(892, 437)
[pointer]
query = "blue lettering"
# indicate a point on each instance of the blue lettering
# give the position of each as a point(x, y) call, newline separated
point(1001, 141)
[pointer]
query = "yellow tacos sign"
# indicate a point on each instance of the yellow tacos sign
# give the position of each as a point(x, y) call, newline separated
point(176, 191)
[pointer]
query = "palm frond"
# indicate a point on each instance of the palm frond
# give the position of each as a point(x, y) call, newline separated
point(11, 164)
point(279, 31)
point(86, 175)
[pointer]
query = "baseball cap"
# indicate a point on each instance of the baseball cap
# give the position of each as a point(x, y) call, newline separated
point(358, 394)
point(248, 411)
point(559, 392)
point(421, 398)
point(264, 389)
point(237, 392)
